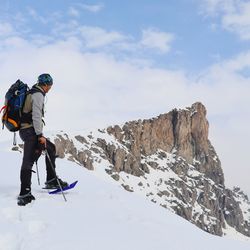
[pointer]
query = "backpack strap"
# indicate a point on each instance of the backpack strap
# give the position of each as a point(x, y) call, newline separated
point(27, 117)
point(4, 107)
point(36, 89)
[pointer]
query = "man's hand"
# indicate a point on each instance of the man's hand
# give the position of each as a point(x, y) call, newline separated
point(42, 140)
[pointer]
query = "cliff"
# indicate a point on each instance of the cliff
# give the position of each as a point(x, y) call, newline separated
point(168, 159)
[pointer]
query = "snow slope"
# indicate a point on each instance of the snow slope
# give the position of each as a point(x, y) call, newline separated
point(162, 177)
point(98, 215)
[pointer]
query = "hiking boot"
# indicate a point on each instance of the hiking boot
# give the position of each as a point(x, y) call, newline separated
point(23, 200)
point(53, 184)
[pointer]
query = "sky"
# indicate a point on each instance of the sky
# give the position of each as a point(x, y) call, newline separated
point(115, 61)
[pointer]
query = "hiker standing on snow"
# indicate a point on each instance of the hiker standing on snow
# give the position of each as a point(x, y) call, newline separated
point(31, 132)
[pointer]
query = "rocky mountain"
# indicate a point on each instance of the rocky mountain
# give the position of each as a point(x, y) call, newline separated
point(169, 160)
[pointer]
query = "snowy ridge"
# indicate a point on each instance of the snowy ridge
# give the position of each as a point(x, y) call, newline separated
point(168, 180)
point(96, 209)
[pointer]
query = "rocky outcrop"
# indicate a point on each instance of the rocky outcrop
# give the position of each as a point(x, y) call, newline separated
point(169, 159)
point(185, 131)
point(65, 146)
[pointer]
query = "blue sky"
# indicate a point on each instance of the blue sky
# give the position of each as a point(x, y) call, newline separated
point(198, 38)
point(114, 61)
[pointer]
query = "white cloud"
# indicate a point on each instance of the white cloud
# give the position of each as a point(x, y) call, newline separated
point(6, 29)
point(95, 37)
point(155, 39)
point(33, 13)
point(239, 20)
point(234, 15)
point(98, 89)
point(92, 8)
point(96, 80)
point(44, 19)
point(73, 12)
point(215, 7)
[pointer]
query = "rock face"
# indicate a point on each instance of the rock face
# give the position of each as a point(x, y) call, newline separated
point(171, 161)
point(185, 131)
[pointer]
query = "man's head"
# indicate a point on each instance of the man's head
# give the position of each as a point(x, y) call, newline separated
point(45, 81)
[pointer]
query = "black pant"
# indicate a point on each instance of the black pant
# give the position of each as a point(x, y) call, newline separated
point(31, 153)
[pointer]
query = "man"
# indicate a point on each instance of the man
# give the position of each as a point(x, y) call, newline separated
point(31, 133)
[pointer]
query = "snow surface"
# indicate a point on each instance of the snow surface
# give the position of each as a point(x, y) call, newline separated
point(98, 215)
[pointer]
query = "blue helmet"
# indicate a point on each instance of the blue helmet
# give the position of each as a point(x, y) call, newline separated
point(45, 79)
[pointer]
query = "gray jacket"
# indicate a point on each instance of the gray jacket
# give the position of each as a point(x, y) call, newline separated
point(34, 103)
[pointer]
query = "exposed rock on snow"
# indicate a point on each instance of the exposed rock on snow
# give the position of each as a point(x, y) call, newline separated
point(170, 160)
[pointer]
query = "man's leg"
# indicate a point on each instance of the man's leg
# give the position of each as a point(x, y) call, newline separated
point(30, 144)
point(51, 166)
point(51, 160)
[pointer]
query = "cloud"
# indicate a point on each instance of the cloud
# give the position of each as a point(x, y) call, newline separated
point(95, 37)
point(39, 18)
point(95, 88)
point(91, 7)
point(6, 29)
point(73, 12)
point(91, 37)
point(45, 19)
point(238, 21)
point(234, 15)
point(95, 80)
point(215, 7)
point(155, 39)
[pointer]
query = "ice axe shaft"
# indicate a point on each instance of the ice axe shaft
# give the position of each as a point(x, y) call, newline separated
point(59, 184)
